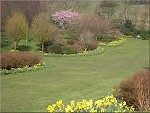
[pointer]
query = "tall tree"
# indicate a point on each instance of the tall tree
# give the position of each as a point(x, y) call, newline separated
point(16, 27)
point(42, 29)
point(106, 8)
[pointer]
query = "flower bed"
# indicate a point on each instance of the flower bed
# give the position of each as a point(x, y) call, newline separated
point(25, 68)
point(106, 104)
point(85, 53)
point(114, 43)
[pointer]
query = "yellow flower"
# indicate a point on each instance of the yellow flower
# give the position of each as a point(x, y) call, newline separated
point(50, 108)
point(99, 103)
point(93, 110)
point(72, 103)
point(120, 105)
point(60, 104)
point(124, 103)
point(69, 109)
point(103, 110)
point(113, 89)
point(132, 108)
point(54, 105)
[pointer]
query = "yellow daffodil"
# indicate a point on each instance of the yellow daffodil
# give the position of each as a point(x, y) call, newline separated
point(69, 109)
point(50, 109)
point(93, 110)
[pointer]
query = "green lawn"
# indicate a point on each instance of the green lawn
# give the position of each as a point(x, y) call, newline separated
point(88, 77)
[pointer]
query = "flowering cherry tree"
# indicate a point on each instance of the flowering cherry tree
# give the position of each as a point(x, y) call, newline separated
point(65, 17)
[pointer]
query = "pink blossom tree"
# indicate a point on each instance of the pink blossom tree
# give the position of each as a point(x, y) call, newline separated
point(63, 18)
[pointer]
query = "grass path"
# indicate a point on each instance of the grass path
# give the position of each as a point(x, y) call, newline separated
point(88, 77)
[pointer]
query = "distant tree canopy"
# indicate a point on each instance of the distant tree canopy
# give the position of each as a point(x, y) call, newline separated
point(106, 8)
point(28, 8)
point(139, 2)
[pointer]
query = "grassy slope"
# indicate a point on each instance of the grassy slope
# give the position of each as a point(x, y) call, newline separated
point(88, 77)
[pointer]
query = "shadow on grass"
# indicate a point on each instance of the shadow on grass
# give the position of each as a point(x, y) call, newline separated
point(148, 68)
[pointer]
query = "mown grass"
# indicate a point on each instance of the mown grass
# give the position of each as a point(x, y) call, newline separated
point(73, 78)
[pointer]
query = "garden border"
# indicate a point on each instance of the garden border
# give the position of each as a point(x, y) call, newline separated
point(114, 43)
point(26, 68)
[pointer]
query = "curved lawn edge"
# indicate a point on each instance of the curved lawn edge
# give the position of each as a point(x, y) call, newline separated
point(26, 68)
point(85, 53)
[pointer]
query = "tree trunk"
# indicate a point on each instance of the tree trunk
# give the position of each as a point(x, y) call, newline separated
point(42, 48)
point(26, 39)
point(15, 45)
point(125, 10)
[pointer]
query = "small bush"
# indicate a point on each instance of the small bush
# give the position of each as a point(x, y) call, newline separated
point(54, 49)
point(136, 90)
point(24, 48)
point(93, 45)
point(71, 42)
point(18, 60)
point(69, 50)
point(58, 40)
point(46, 45)
point(106, 38)
point(5, 40)
point(78, 46)
point(145, 34)
point(128, 24)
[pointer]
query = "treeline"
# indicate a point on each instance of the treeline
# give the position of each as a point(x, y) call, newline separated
point(136, 2)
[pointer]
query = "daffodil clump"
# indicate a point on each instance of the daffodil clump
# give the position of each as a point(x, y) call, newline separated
point(12, 50)
point(106, 104)
point(84, 53)
point(114, 43)
point(24, 69)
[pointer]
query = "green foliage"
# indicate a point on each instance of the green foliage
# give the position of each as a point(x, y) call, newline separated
point(54, 49)
point(5, 40)
point(128, 24)
point(16, 27)
point(106, 38)
point(71, 34)
point(145, 34)
point(69, 50)
point(24, 48)
point(129, 30)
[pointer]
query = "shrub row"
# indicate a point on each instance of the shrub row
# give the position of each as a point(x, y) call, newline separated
point(72, 47)
point(129, 29)
point(84, 53)
point(114, 43)
point(136, 91)
point(62, 49)
point(18, 59)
